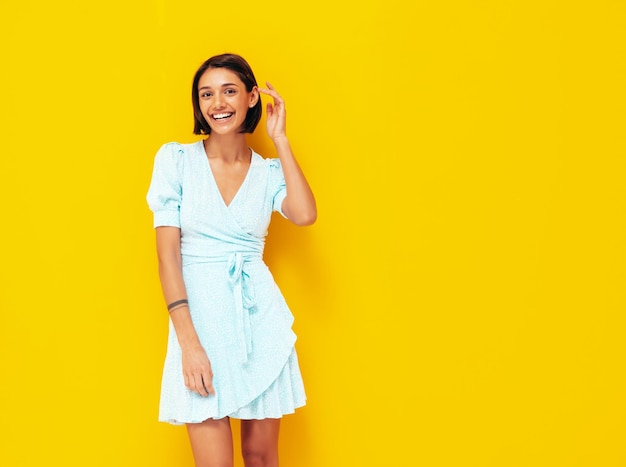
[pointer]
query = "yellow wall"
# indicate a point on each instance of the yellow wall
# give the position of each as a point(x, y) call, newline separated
point(460, 301)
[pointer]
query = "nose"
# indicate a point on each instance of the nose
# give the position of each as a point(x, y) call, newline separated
point(218, 100)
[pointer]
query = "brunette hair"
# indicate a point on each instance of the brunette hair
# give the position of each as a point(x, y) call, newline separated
point(240, 67)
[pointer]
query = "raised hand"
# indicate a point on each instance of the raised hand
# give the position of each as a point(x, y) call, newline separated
point(276, 114)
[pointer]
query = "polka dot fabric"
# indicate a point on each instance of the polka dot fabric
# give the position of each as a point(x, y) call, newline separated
point(238, 311)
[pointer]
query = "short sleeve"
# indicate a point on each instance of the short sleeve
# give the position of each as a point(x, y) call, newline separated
point(278, 189)
point(166, 188)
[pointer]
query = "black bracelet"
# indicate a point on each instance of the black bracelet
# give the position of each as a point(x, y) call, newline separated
point(176, 303)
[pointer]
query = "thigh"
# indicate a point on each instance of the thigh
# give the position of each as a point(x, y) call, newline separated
point(211, 443)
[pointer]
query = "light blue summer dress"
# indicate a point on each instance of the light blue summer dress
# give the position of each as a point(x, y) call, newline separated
point(238, 311)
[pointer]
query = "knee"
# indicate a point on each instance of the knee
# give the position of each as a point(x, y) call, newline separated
point(254, 457)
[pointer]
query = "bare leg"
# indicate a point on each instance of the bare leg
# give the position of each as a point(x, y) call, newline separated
point(211, 443)
point(259, 442)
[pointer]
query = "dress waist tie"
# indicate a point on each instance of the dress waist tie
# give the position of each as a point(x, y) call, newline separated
point(244, 302)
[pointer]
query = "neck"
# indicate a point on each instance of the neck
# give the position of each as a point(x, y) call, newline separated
point(229, 148)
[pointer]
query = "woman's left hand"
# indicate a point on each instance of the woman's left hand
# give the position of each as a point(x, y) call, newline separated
point(276, 114)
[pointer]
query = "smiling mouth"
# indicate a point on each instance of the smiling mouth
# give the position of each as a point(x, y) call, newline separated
point(222, 116)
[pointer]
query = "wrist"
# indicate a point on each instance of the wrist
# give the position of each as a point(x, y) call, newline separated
point(190, 344)
point(280, 141)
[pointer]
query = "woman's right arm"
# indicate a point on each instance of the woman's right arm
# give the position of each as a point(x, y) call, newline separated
point(196, 365)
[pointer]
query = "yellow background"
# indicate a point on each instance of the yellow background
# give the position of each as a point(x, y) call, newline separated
point(460, 301)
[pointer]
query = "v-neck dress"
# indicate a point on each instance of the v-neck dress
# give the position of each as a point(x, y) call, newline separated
point(238, 311)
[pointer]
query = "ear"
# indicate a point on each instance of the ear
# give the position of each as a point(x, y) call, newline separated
point(254, 97)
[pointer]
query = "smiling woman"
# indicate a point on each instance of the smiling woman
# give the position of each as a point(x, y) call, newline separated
point(231, 76)
point(231, 347)
point(224, 100)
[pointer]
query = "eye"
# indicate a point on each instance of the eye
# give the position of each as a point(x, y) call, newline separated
point(230, 91)
point(205, 95)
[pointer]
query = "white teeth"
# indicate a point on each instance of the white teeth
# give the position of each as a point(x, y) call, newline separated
point(216, 116)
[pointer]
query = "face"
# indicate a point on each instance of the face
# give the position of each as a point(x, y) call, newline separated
point(224, 101)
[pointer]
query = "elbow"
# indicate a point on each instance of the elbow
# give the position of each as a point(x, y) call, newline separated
point(307, 218)
point(301, 213)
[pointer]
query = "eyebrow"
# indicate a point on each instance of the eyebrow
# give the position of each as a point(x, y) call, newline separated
point(223, 85)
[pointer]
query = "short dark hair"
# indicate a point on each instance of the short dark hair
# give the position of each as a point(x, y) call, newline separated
point(240, 67)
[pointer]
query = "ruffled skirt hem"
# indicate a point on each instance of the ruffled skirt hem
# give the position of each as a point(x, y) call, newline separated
point(284, 395)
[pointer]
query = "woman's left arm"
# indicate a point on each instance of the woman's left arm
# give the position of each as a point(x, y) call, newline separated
point(299, 206)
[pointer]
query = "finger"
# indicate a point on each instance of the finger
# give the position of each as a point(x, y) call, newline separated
point(273, 89)
point(271, 92)
point(207, 384)
point(199, 386)
point(195, 383)
point(268, 92)
point(269, 108)
point(277, 99)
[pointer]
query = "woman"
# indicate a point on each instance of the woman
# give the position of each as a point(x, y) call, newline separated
point(231, 348)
